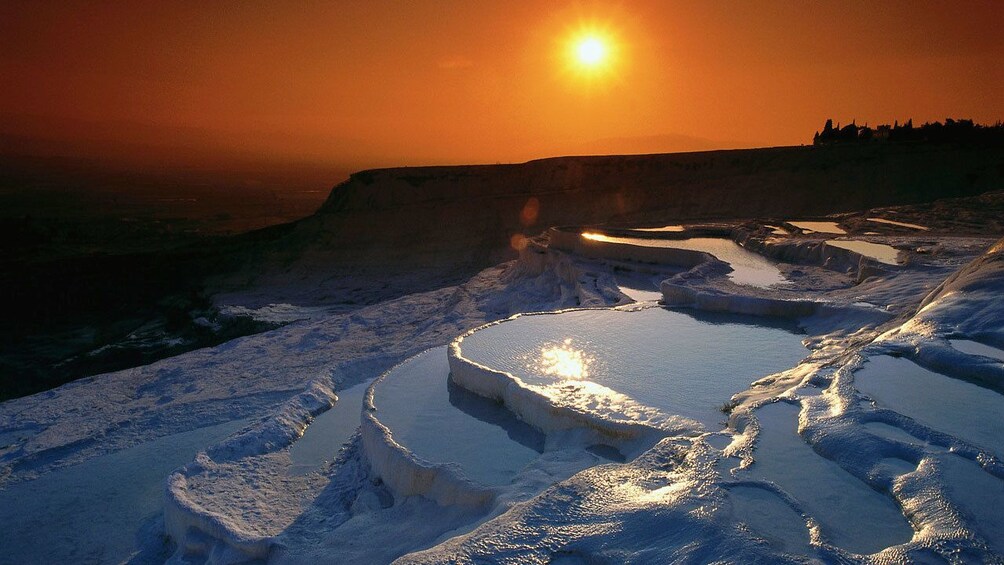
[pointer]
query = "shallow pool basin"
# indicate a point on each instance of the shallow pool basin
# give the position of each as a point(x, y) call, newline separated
point(684, 364)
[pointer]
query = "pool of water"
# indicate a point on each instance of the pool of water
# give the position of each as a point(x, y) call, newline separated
point(770, 518)
point(330, 430)
point(853, 515)
point(641, 294)
point(900, 224)
point(748, 268)
point(895, 433)
point(640, 288)
point(820, 227)
point(442, 423)
point(964, 410)
point(681, 364)
point(673, 228)
point(94, 512)
point(878, 251)
point(980, 496)
point(976, 348)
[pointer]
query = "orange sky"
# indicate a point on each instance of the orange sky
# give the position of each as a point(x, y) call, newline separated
point(376, 83)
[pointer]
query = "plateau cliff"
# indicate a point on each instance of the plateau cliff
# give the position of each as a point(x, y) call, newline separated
point(455, 220)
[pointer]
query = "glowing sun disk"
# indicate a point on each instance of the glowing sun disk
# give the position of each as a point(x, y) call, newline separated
point(591, 51)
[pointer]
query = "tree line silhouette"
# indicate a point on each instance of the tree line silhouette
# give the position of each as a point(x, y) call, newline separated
point(952, 131)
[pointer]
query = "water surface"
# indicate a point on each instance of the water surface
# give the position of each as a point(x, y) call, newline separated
point(964, 410)
point(878, 251)
point(640, 288)
point(330, 430)
point(900, 224)
point(853, 515)
point(976, 348)
point(815, 226)
point(682, 364)
point(770, 518)
point(673, 228)
point(92, 512)
point(443, 423)
point(748, 268)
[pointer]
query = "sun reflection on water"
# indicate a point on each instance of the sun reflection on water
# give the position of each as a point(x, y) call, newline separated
point(564, 361)
point(597, 237)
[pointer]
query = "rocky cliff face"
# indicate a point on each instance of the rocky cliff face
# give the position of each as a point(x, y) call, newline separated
point(454, 220)
point(488, 204)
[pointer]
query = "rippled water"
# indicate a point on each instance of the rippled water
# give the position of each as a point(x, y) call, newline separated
point(678, 363)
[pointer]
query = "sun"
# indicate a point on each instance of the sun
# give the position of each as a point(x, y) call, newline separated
point(591, 51)
point(593, 54)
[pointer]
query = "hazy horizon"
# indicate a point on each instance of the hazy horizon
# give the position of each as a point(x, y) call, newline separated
point(351, 86)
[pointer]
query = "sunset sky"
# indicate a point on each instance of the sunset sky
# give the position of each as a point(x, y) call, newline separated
point(360, 84)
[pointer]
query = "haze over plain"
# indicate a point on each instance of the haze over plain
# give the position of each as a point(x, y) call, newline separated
point(359, 85)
